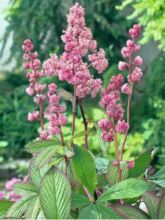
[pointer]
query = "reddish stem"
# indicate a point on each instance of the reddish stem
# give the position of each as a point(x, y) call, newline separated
point(62, 137)
point(73, 115)
point(128, 109)
point(41, 116)
point(85, 123)
point(91, 199)
point(119, 170)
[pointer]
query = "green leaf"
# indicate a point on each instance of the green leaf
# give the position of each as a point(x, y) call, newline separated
point(98, 211)
point(161, 209)
point(151, 200)
point(35, 174)
point(160, 183)
point(18, 208)
point(55, 195)
point(3, 144)
point(22, 188)
point(101, 165)
point(91, 131)
point(106, 212)
point(5, 205)
point(160, 174)
point(33, 208)
point(89, 212)
point(44, 157)
point(79, 200)
point(141, 164)
point(84, 168)
point(129, 212)
point(112, 173)
point(38, 146)
point(129, 188)
point(41, 215)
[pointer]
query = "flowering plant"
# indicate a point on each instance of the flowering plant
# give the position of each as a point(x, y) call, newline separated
point(66, 180)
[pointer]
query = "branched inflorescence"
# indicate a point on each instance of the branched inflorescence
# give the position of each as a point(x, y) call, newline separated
point(54, 111)
point(111, 96)
point(73, 66)
point(70, 66)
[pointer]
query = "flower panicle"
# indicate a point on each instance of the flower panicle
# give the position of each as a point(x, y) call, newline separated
point(111, 96)
point(54, 112)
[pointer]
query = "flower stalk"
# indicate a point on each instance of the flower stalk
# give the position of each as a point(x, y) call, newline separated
point(85, 123)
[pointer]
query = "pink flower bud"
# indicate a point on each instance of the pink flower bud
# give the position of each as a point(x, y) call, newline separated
point(32, 116)
point(126, 52)
point(52, 88)
point(9, 185)
point(62, 119)
point(122, 65)
point(135, 76)
point(122, 127)
point(104, 124)
point(115, 163)
point(39, 98)
point(98, 61)
point(138, 61)
point(44, 135)
point(54, 130)
point(135, 32)
point(28, 46)
point(30, 91)
point(2, 195)
point(130, 164)
point(126, 89)
point(107, 136)
point(13, 197)
point(38, 87)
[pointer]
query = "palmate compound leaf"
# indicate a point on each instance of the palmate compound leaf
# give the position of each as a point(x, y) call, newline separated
point(126, 189)
point(55, 195)
point(84, 168)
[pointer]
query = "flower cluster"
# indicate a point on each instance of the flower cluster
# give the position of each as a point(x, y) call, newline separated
point(111, 96)
point(32, 64)
point(54, 114)
point(134, 71)
point(70, 67)
point(54, 110)
point(9, 193)
point(110, 102)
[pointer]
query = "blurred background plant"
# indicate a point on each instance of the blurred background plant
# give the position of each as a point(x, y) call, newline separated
point(43, 22)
